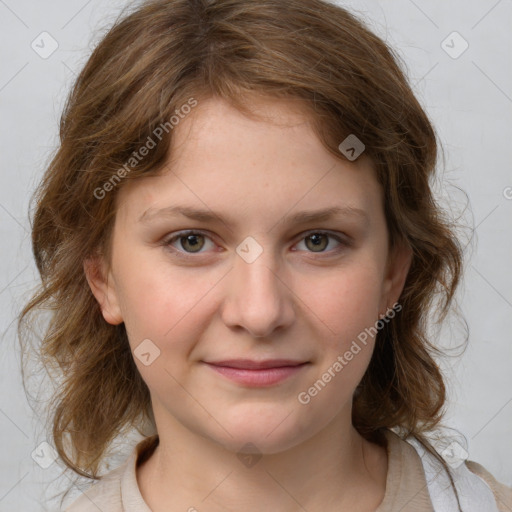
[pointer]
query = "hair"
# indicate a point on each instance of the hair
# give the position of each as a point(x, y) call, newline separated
point(154, 61)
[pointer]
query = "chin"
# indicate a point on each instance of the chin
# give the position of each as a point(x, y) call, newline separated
point(258, 444)
point(255, 433)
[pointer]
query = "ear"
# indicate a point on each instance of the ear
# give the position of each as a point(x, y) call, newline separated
point(399, 262)
point(103, 288)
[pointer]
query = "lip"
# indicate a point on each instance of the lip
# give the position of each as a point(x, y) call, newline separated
point(250, 364)
point(257, 373)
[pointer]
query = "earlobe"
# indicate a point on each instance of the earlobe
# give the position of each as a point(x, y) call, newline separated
point(397, 271)
point(103, 289)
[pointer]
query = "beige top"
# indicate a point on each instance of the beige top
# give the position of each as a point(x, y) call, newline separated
point(406, 486)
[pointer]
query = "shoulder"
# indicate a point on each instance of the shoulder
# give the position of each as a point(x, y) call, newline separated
point(477, 489)
point(104, 495)
point(502, 493)
point(406, 487)
point(118, 488)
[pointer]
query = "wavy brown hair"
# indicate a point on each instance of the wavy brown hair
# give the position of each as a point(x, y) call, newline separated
point(151, 63)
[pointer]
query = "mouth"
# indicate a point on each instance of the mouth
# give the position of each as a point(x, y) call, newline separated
point(257, 373)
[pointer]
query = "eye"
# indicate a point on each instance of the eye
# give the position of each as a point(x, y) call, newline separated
point(192, 242)
point(318, 241)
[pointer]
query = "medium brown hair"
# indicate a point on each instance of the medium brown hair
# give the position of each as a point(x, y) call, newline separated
point(151, 63)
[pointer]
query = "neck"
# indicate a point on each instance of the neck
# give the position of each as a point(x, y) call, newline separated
point(333, 469)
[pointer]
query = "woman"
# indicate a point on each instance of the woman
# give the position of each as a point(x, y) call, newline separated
point(241, 249)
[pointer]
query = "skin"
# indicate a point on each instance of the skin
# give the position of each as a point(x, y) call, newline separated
point(296, 300)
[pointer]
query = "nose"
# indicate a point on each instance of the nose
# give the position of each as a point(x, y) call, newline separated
point(257, 297)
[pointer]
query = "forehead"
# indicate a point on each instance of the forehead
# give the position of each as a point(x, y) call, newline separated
point(220, 159)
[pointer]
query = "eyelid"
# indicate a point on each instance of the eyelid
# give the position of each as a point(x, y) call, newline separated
point(342, 238)
point(168, 240)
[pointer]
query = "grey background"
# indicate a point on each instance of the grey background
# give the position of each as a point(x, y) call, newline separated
point(469, 99)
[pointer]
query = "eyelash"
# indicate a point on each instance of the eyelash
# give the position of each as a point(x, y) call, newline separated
point(182, 234)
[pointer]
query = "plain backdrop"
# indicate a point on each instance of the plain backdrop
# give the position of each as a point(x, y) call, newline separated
point(467, 93)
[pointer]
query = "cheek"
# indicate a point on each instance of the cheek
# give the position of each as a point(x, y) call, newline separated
point(346, 305)
point(168, 308)
point(346, 302)
point(162, 302)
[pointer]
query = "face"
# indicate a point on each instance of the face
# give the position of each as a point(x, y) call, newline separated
point(255, 281)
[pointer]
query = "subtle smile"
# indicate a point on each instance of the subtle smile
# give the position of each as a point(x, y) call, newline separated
point(257, 373)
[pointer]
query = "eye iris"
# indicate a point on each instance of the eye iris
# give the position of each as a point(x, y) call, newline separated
point(195, 242)
point(316, 238)
point(192, 240)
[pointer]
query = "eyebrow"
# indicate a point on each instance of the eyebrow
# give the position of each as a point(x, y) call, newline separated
point(205, 215)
